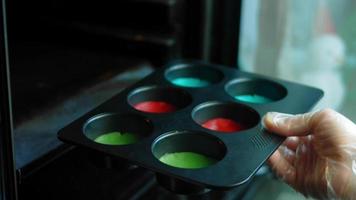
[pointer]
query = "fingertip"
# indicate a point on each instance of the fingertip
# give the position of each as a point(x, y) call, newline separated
point(270, 122)
point(267, 120)
point(288, 125)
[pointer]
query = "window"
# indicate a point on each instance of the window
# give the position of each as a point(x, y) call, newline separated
point(311, 42)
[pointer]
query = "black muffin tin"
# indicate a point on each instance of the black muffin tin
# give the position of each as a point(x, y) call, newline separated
point(240, 154)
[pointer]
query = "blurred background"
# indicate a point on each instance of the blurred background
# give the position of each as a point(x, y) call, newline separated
point(310, 42)
point(67, 57)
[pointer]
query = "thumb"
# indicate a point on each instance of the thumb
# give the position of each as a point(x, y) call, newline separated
point(288, 125)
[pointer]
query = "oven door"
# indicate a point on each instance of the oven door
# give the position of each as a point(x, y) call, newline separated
point(7, 168)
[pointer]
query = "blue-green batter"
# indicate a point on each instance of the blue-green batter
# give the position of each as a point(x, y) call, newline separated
point(191, 82)
point(253, 98)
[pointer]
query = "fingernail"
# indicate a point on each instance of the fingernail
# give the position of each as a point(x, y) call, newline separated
point(277, 118)
point(291, 139)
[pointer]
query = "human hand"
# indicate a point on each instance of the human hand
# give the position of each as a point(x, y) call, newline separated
point(318, 157)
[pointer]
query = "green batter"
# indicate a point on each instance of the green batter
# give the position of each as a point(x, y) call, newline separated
point(117, 138)
point(190, 82)
point(253, 98)
point(187, 160)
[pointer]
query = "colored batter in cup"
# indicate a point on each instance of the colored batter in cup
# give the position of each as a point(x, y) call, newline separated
point(117, 138)
point(190, 82)
point(223, 125)
point(155, 107)
point(187, 160)
point(253, 98)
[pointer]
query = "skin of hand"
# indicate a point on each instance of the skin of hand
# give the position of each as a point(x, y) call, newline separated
point(318, 157)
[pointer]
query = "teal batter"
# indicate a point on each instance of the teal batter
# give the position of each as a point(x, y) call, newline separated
point(191, 82)
point(253, 98)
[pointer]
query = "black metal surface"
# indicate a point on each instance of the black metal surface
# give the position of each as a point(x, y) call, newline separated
point(45, 62)
point(157, 15)
point(212, 30)
point(186, 141)
point(178, 186)
point(149, 29)
point(226, 32)
point(57, 72)
point(75, 176)
point(7, 164)
point(35, 137)
point(246, 150)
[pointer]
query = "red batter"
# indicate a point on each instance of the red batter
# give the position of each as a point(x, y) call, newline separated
point(223, 125)
point(155, 107)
